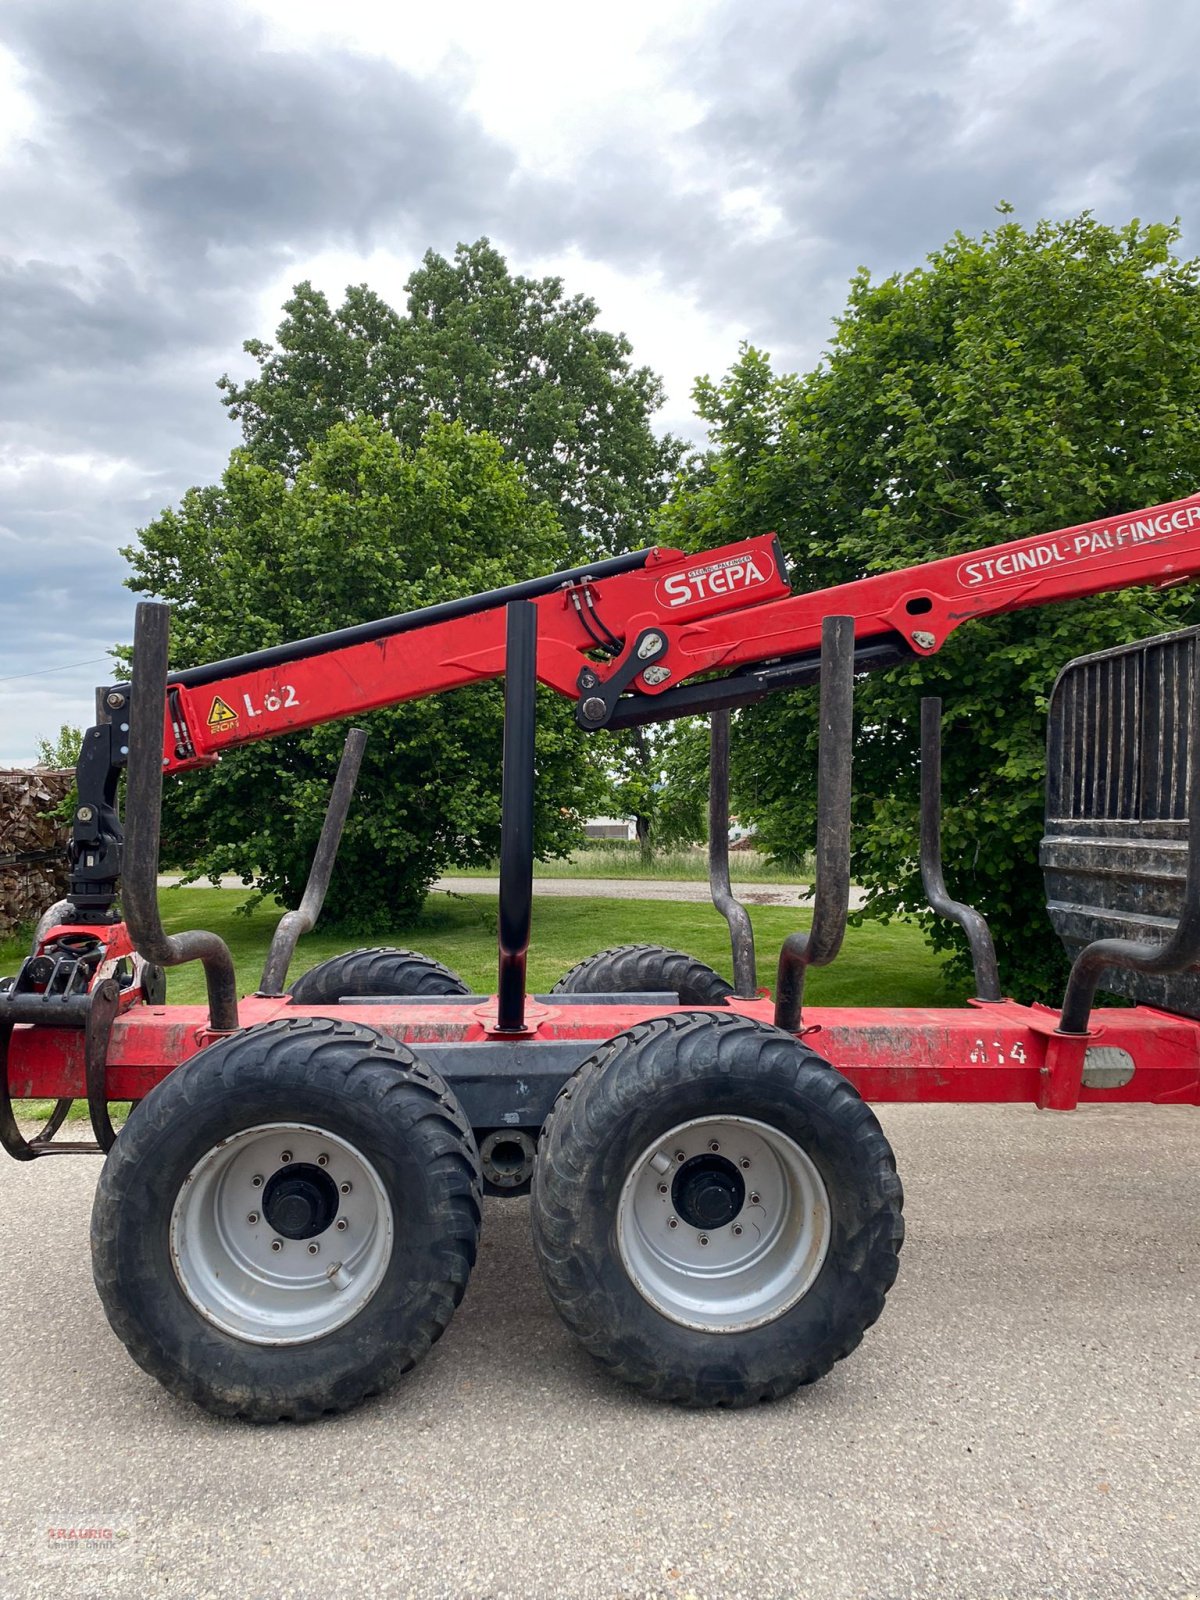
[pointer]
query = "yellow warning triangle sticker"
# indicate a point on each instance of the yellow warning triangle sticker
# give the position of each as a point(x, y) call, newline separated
point(220, 715)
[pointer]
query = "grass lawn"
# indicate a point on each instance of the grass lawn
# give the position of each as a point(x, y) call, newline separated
point(878, 965)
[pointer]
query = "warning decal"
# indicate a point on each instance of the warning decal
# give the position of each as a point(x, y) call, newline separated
point(221, 716)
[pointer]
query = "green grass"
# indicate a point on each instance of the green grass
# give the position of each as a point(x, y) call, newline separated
point(618, 860)
point(878, 965)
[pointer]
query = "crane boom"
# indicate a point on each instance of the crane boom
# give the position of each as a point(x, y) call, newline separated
point(625, 638)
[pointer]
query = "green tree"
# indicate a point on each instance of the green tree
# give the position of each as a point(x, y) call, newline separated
point(364, 528)
point(511, 356)
point(1019, 382)
point(62, 751)
point(657, 775)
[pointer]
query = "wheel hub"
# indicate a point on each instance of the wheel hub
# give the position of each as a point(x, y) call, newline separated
point(288, 1258)
point(723, 1223)
point(300, 1201)
point(708, 1191)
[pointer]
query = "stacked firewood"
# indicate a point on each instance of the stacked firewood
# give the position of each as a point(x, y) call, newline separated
point(33, 863)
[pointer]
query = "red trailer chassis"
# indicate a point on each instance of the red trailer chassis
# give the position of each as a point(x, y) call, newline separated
point(993, 1052)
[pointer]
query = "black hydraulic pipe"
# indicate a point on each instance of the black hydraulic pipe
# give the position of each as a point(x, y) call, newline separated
point(293, 924)
point(972, 922)
point(143, 826)
point(741, 934)
point(748, 685)
point(1176, 954)
point(820, 944)
point(386, 627)
point(516, 812)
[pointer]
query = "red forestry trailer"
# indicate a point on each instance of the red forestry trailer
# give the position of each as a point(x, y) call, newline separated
point(288, 1218)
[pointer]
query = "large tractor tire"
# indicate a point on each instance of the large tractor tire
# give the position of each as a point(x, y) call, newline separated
point(380, 971)
point(716, 1211)
point(643, 968)
point(289, 1222)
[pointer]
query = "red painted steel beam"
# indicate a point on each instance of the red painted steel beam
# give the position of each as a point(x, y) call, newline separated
point(990, 1054)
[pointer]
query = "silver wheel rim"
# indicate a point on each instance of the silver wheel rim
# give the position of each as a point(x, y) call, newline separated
point(242, 1272)
point(746, 1270)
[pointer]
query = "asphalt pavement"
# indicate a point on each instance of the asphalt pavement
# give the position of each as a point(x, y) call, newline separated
point(1024, 1420)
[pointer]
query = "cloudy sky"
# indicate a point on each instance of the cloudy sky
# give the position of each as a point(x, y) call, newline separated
point(709, 171)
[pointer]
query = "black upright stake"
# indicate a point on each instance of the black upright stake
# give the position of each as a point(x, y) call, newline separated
point(820, 943)
point(516, 812)
point(741, 934)
point(972, 922)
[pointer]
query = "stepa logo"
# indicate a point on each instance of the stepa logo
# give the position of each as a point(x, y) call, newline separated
point(711, 581)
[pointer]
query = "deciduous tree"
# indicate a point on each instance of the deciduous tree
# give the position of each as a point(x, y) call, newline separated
point(516, 357)
point(1018, 382)
point(364, 527)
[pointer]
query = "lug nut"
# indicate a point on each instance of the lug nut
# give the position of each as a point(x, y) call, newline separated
point(277, 1245)
point(345, 1187)
point(341, 1224)
point(256, 1181)
point(703, 1238)
point(744, 1164)
point(737, 1228)
point(662, 1188)
point(252, 1218)
point(322, 1160)
point(681, 1155)
point(673, 1223)
point(285, 1157)
point(714, 1145)
point(313, 1248)
point(754, 1198)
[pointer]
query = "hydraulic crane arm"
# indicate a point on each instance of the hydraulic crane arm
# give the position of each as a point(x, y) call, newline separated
point(624, 638)
point(639, 638)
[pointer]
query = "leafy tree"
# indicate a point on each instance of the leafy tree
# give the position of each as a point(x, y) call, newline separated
point(658, 775)
point(513, 356)
point(61, 752)
point(364, 528)
point(1019, 382)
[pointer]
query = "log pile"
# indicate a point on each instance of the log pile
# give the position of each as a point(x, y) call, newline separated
point(33, 863)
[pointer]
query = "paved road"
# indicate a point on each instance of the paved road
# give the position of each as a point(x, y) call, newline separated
point(752, 894)
point(1023, 1422)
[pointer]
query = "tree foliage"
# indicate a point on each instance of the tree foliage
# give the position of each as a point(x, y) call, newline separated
point(512, 356)
point(61, 752)
point(364, 527)
point(1019, 382)
point(658, 775)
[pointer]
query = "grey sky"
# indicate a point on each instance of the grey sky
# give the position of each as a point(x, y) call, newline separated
point(710, 172)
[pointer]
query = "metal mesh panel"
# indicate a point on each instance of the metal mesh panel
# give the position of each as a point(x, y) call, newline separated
point(1118, 745)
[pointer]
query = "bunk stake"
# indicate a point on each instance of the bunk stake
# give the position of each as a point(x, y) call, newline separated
point(516, 812)
point(143, 827)
point(819, 946)
point(741, 934)
point(972, 922)
point(295, 923)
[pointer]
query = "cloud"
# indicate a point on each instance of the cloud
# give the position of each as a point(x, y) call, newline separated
point(868, 133)
point(161, 167)
point(169, 162)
